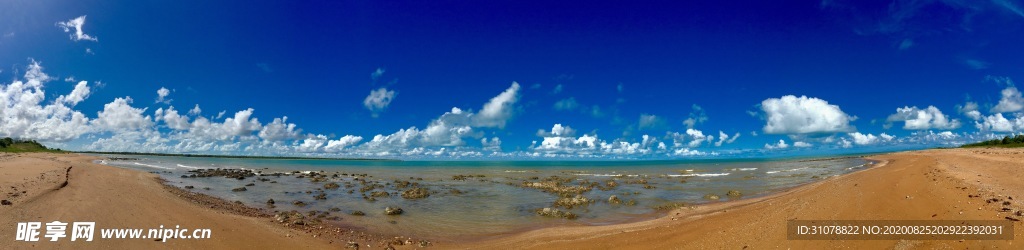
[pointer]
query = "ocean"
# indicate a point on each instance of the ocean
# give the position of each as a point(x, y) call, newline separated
point(474, 199)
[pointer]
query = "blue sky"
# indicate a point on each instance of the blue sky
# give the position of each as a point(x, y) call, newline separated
point(380, 79)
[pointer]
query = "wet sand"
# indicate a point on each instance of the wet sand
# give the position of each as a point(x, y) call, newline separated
point(121, 198)
point(948, 184)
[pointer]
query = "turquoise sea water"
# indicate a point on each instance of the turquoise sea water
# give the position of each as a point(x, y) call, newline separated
point(495, 203)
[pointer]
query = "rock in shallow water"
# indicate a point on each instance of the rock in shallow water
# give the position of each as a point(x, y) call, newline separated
point(416, 193)
point(614, 200)
point(554, 212)
point(711, 197)
point(734, 193)
point(238, 189)
point(393, 210)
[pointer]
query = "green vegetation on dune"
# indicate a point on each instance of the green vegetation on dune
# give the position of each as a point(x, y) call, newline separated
point(20, 146)
point(1006, 142)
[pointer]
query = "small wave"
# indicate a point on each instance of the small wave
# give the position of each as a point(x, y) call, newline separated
point(787, 170)
point(607, 175)
point(698, 175)
point(183, 166)
point(152, 166)
point(742, 169)
point(515, 171)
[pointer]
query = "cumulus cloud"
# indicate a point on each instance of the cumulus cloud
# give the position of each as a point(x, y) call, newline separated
point(499, 109)
point(448, 130)
point(969, 109)
point(242, 124)
point(650, 122)
point(567, 104)
point(120, 116)
point(195, 111)
point(999, 123)
point(376, 74)
point(557, 131)
point(781, 145)
point(379, 100)
point(725, 138)
point(1011, 101)
point(692, 138)
point(76, 25)
point(321, 144)
point(23, 115)
point(923, 119)
point(172, 118)
point(491, 145)
point(161, 95)
point(869, 139)
point(78, 94)
point(697, 116)
point(804, 115)
point(279, 129)
point(800, 144)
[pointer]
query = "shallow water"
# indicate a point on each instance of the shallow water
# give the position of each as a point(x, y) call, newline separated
point(493, 204)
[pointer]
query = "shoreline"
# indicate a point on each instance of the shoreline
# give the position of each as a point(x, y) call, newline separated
point(760, 222)
point(687, 226)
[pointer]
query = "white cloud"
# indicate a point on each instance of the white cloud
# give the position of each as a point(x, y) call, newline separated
point(161, 95)
point(801, 144)
point(241, 125)
point(557, 131)
point(567, 104)
point(376, 74)
point(999, 123)
point(195, 111)
point(499, 109)
point(279, 130)
point(120, 116)
point(803, 115)
point(698, 137)
point(22, 114)
point(863, 139)
point(321, 144)
point(448, 130)
point(969, 109)
point(172, 119)
point(379, 100)
point(1011, 101)
point(725, 138)
point(493, 145)
point(923, 119)
point(76, 24)
point(650, 122)
point(781, 145)
point(341, 143)
point(79, 94)
point(697, 116)
point(557, 89)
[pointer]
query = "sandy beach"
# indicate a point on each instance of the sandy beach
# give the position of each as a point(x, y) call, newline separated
point(946, 184)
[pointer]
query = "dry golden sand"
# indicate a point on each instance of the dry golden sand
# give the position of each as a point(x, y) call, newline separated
point(121, 198)
point(919, 185)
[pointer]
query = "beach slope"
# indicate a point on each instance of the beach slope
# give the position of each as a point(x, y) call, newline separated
point(46, 187)
point(943, 184)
